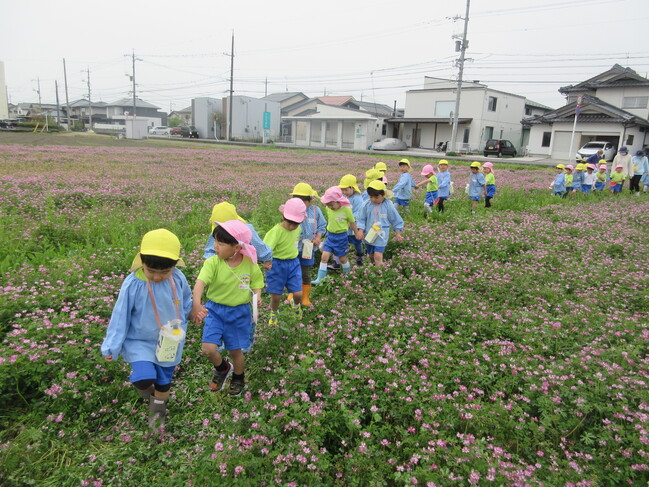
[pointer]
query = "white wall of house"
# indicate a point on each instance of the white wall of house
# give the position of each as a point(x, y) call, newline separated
point(203, 111)
point(616, 97)
point(4, 105)
point(248, 117)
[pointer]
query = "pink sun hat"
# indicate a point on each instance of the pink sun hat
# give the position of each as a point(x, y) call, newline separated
point(294, 209)
point(488, 164)
point(618, 166)
point(591, 166)
point(570, 166)
point(334, 194)
point(243, 235)
point(428, 170)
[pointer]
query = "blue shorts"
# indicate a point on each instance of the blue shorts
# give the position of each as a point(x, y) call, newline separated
point(285, 273)
point(336, 243)
point(491, 190)
point(474, 198)
point(371, 249)
point(400, 202)
point(617, 188)
point(306, 262)
point(431, 196)
point(230, 325)
point(586, 188)
point(358, 244)
point(599, 186)
point(148, 370)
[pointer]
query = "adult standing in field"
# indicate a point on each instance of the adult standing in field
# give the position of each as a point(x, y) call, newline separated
point(595, 158)
point(640, 168)
point(622, 158)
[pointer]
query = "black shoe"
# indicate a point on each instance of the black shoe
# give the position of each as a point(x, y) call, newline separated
point(334, 267)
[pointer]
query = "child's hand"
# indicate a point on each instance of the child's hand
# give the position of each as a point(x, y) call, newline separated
point(317, 241)
point(398, 237)
point(198, 313)
point(268, 265)
point(259, 301)
point(360, 235)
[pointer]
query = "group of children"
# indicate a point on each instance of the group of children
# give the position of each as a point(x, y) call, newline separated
point(149, 321)
point(586, 178)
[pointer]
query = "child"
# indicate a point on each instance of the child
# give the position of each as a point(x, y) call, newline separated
point(490, 183)
point(382, 168)
point(379, 214)
point(589, 179)
point(601, 177)
point(350, 190)
point(476, 185)
point(340, 218)
point(569, 169)
point(444, 183)
point(559, 185)
point(154, 294)
point(370, 175)
point(432, 188)
point(578, 178)
point(232, 277)
point(283, 239)
point(223, 212)
point(617, 179)
point(313, 228)
point(403, 189)
point(640, 168)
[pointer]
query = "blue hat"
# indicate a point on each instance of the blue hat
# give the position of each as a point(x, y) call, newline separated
point(624, 149)
point(639, 153)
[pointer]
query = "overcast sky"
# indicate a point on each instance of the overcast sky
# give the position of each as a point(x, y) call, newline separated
point(375, 50)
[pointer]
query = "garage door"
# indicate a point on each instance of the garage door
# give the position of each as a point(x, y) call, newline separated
point(561, 146)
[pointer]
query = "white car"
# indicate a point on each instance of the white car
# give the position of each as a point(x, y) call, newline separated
point(389, 144)
point(161, 130)
point(592, 147)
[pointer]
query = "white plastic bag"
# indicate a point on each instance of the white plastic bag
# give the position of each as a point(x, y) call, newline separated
point(169, 339)
point(307, 249)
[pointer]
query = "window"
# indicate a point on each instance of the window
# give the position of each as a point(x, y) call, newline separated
point(547, 136)
point(491, 106)
point(384, 129)
point(465, 140)
point(444, 108)
point(528, 111)
point(629, 140)
point(488, 133)
point(635, 102)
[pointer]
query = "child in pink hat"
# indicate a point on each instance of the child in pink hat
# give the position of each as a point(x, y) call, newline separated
point(340, 218)
point(569, 177)
point(589, 179)
point(490, 183)
point(431, 189)
point(233, 279)
point(285, 272)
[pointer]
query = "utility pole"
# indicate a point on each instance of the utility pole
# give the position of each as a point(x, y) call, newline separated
point(231, 88)
point(463, 46)
point(40, 105)
point(134, 99)
point(67, 101)
point(89, 102)
point(58, 109)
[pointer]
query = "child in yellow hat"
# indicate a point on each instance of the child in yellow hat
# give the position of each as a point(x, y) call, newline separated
point(226, 211)
point(351, 191)
point(382, 168)
point(476, 186)
point(403, 189)
point(154, 301)
point(559, 184)
point(444, 183)
point(370, 175)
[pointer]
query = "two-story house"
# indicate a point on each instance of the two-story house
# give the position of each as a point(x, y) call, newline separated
point(614, 108)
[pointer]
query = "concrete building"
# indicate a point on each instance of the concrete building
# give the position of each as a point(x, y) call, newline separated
point(248, 118)
point(4, 103)
point(207, 117)
point(614, 108)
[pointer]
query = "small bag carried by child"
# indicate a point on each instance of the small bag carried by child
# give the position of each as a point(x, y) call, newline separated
point(169, 338)
point(307, 249)
point(373, 234)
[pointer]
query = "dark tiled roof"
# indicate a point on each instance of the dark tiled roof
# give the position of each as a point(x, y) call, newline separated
point(614, 77)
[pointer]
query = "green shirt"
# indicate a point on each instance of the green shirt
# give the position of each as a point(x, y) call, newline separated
point(432, 183)
point(618, 177)
point(283, 242)
point(230, 285)
point(490, 178)
point(568, 180)
point(339, 220)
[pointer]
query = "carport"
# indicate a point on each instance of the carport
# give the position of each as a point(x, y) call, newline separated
point(424, 133)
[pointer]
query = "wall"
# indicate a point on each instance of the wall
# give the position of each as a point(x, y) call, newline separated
point(248, 115)
point(203, 109)
point(615, 96)
point(4, 105)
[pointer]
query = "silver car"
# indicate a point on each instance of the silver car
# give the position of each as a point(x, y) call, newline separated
point(592, 147)
point(160, 130)
point(389, 144)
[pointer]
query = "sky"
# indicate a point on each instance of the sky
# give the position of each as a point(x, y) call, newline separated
point(374, 50)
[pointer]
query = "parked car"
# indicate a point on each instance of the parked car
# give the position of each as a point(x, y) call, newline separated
point(389, 144)
point(160, 130)
point(175, 131)
point(499, 148)
point(189, 131)
point(592, 147)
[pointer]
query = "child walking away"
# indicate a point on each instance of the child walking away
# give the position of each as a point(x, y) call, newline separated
point(431, 189)
point(617, 179)
point(601, 177)
point(149, 320)
point(223, 212)
point(234, 282)
point(568, 169)
point(376, 219)
point(490, 181)
point(444, 184)
point(339, 219)
point(283, 239)
point(313, 228)
point(578, 178)
point(589, 179)
point(559, 184)
point(382, 168)
point(640, 168)
point(476, 185)
point(350, 190)
point(370, 175)
point(403, 189)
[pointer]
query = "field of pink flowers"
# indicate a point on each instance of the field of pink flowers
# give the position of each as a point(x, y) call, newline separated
point(508, 348)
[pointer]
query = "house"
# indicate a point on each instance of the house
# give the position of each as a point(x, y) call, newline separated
point(185, 115)
point(81, 110)
point(286, 100)
point(614, 108)
point(249, 122)
point(121, 110)
point(484, 113)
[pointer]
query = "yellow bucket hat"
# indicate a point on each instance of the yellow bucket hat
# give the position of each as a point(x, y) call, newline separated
point(380, 166)
point(161, 243)
point(377, 185)
point(443, 161)
point(303, 189)
point(349, 181)
point(224, 212)
point(371, 175)
point(405, 161)
point(560, 166)
point(475, 164)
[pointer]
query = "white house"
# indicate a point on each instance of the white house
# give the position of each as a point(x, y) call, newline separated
point(614, 108)
point(248, 118)
point(484, 113)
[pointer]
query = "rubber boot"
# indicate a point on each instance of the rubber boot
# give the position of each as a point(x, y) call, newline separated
point(289, 298)
point(306, 291)
point(347, 270)
point(321, 275)
point(359, 259)
point(157, 412)
point(427, 210)
point(145, 393)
